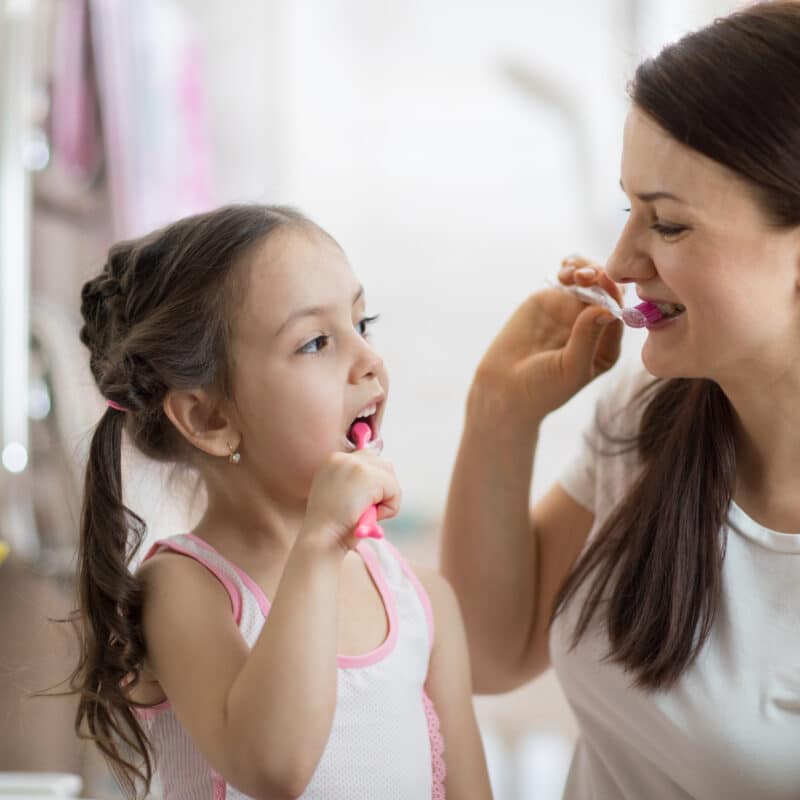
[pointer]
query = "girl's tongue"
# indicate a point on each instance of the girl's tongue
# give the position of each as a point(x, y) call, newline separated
point(360, 433)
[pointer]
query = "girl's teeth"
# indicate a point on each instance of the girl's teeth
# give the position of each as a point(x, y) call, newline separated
point(367, 412)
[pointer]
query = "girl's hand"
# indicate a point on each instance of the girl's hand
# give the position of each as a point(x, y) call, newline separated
point(343, 488)
point(552, 346)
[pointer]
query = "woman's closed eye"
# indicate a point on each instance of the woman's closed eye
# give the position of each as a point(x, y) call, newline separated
point(668, 231)
point(662, 229)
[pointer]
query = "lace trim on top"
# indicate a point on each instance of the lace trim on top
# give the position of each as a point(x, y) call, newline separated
point(439, 769)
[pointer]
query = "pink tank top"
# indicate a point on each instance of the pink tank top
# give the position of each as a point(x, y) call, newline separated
point(384, 742)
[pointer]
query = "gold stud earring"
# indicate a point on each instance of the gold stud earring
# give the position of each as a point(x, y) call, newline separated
point(235, 457)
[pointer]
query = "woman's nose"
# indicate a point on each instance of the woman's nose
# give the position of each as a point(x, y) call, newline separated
point(629, 262)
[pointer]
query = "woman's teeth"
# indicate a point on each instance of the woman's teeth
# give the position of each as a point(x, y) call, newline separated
point(670, 309)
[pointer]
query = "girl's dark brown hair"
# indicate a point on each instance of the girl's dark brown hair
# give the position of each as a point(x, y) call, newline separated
point(157, 317)
point(730, 91)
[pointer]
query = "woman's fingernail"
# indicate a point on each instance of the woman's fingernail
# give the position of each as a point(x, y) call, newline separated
point(586, 272)
point(603, 319)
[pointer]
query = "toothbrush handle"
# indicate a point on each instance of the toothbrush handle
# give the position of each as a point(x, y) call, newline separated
point(368, 522)
point(368, 525)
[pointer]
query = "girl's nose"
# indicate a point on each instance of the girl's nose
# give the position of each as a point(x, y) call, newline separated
point(367, 364)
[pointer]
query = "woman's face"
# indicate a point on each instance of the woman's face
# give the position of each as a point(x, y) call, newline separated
point(695, 236)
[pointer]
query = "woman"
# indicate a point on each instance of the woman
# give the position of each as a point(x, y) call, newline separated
point(660, 576)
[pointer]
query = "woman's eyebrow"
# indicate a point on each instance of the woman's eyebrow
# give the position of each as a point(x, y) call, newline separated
point(649, 197)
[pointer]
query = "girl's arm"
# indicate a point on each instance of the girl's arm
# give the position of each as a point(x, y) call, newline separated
point(449, 686)
point(262, 717)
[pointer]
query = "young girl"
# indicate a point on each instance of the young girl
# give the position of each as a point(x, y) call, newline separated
point(268, 653)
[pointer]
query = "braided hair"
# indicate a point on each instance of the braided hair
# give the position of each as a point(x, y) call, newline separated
point(157, 317)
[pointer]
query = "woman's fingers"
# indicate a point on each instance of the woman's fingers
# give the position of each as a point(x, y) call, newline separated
point(608, 346)
point(585, 272)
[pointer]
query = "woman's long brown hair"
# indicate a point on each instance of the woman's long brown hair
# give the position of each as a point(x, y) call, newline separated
point(653, 572)
point(157, 317)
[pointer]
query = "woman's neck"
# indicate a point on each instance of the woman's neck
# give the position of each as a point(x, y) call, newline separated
point(767, 439)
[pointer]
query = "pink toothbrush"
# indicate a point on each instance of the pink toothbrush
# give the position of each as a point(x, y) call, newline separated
point(642, 314)
point(368, 523)
point(637, 317)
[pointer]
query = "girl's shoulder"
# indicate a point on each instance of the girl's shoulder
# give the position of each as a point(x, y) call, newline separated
point(173, 568)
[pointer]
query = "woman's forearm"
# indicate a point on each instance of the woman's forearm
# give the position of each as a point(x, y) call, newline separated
point(488, 546)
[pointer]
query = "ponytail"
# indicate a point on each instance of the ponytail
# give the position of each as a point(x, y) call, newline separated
point(654, 569)
point(157, 317)
point(112, 643)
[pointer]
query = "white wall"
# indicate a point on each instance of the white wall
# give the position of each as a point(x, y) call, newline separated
point(454, 188)
point(457, 150)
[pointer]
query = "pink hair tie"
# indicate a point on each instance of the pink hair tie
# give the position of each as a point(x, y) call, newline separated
point(116, 406)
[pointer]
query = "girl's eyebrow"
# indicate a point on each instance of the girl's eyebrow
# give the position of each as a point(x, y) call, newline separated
point(649, 197)
point(313, 311)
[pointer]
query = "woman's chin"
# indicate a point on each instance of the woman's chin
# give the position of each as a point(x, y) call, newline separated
point(662, 363)
point(668, 363)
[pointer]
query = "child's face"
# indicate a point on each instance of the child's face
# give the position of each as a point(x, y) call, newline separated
point(711, 250)
point(304, 367)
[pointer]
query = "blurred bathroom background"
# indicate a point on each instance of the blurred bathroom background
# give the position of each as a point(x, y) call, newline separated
point(457, 151)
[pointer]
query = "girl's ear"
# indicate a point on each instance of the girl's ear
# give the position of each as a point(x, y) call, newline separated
point(201, 421)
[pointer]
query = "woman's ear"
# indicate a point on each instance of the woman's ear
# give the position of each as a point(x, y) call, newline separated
point(200, 420)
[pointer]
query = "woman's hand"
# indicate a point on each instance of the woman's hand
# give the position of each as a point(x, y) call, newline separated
point(552, 346)
point(343, 488)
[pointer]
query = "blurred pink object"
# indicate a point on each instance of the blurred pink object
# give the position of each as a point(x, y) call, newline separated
point(642, 314)
point(368, 523)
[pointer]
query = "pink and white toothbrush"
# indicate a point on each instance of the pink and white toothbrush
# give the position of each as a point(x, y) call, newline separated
point(639, 316)
point(368, 523)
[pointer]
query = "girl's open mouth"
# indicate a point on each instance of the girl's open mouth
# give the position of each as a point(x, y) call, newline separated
point(369, 416)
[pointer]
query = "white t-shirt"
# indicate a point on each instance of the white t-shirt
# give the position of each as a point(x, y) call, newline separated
point(730, 727)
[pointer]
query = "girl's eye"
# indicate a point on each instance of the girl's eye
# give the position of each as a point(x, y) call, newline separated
point(365, 324)
point(315, 345)
point(668, 231)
